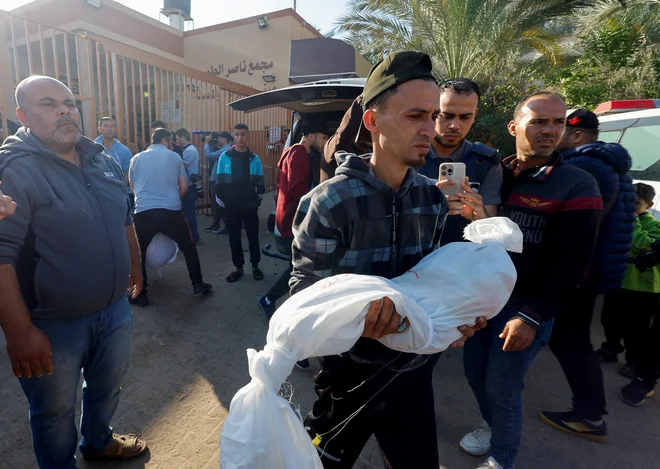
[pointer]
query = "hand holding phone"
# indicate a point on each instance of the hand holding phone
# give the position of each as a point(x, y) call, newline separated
point(454, 172)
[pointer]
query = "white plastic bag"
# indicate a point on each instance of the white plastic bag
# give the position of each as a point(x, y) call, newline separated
point(451, 287)
point(161, 251)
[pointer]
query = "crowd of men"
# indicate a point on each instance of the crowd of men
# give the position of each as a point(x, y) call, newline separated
point(71, 205)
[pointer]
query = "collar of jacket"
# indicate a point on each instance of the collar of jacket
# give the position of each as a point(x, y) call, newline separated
point(540, 173)
point(358, 167)
point(85, 147)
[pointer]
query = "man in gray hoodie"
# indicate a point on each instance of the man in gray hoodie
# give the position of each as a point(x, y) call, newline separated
point(67, 256)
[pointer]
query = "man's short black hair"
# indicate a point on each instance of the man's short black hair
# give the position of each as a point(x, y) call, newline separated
point(460, 86)
point(242, 126)
point(526, 99)
point(105, 119)
point(379, 101)
point(158, 125)
point(159, 135)
point(593, 133)
point(645, 192)
point(183, 133)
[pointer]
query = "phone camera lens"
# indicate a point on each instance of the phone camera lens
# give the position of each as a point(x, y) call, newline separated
point(450, 171)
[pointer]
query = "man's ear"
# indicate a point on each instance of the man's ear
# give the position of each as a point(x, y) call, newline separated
point(577, 136)
point(512, 128)
point(649, 205)
point(369, 120)
point(22, 116)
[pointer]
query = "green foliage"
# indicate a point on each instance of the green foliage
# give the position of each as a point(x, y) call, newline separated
point(466, 38)
point(495, 111)
point(617, 63)
point(590, 51)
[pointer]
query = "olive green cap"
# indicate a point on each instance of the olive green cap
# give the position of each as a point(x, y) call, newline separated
point(395, 69)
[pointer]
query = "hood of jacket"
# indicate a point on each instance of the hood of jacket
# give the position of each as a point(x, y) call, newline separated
point(612, 154)
point(357, 166)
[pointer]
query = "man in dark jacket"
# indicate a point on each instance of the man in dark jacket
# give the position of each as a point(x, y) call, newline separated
point(558, 209)
point(609, 164)
point(459, 98)
point(377, 216)
point(67, 255)
point(240, 185)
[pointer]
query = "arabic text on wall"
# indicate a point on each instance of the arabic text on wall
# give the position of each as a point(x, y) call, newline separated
point(242, 67)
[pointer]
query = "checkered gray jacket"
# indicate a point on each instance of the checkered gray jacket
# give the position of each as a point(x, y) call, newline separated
point(355, 223)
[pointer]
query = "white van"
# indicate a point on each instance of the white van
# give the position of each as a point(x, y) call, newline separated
point(639, 132)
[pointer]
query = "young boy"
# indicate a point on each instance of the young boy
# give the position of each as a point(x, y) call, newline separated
point(641, 289)
point(240, 185)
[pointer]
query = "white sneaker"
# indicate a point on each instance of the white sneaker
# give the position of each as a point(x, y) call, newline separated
point(477, 443)
point(490, 463)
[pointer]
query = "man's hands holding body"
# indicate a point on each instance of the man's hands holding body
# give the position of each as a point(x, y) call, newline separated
point(517, 334)
point(382, 319)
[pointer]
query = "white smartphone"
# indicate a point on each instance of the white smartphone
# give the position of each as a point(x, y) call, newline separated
point(454, 172)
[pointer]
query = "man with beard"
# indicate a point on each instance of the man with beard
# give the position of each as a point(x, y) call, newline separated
point(459, 98)
point(296, 178)
point(377, 216)
point(67, 255)
point(558, 208)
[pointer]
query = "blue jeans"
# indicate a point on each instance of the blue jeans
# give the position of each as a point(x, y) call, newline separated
point(497, 380)
point(188, 204)
point(99, 344)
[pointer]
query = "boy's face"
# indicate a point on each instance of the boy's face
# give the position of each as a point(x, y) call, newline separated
point(642, 206)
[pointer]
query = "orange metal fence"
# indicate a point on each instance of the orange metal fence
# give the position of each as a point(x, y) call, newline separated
point(136, 88)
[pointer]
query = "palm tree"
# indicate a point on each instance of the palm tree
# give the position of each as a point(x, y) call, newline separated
point(469, 38)
point(642, 15)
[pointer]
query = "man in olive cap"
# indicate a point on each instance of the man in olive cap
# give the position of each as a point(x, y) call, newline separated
point(377, 216)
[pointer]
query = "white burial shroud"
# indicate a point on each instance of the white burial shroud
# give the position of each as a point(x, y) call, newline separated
point(452, 286)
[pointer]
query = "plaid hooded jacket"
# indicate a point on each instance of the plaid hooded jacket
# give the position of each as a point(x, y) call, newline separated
point(355, 223)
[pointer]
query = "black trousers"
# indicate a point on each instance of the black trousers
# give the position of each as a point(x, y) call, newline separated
point(217, 210)
point(648, 366)
point(281, 287)
point(173, 225)
point(571, 344)
point(401, 415)
point(235, 218)
point(627, 315)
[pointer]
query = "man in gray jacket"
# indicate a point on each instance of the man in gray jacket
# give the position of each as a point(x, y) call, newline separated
point(67, 256)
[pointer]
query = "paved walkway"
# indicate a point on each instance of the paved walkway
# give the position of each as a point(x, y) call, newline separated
point(189, 359)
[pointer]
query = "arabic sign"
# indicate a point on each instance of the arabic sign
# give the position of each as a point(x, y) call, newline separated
point(224, 71)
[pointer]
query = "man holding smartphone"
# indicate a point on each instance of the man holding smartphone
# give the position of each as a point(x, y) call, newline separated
point(558, 208)
point(377, 216)
point(459, 99)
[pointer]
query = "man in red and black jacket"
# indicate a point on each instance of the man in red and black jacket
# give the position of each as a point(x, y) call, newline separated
point(295, 179)
point(558, 208)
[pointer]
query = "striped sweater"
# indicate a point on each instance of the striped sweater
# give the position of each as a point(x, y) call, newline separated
point(558, 208)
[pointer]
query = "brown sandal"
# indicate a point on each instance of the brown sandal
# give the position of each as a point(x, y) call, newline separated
point(121, 447)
